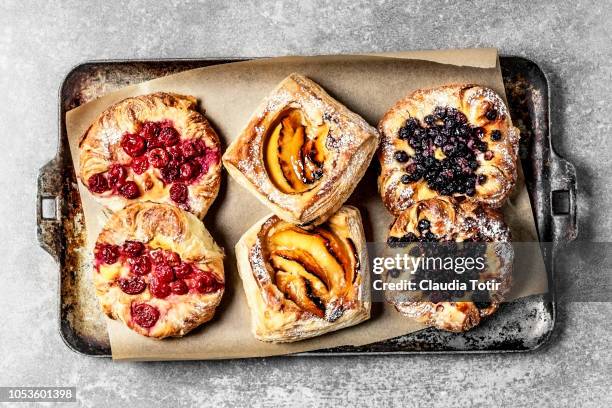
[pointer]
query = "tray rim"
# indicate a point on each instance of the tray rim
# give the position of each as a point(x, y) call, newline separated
point(57, 159)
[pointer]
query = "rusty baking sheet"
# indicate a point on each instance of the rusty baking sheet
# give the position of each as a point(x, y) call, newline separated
point(521, 325)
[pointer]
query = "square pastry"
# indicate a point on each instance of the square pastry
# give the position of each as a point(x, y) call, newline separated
point(302, 153)
point(301, 282)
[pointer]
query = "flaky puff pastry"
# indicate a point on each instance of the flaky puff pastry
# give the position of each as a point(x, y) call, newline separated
point(154, 147)
point(455, 140)
point(437, 222)
point(302, 153)
point(302, 283)
point(158, 270)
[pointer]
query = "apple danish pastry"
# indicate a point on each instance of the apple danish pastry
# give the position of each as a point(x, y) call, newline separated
point(303, 282)
point(302, 153)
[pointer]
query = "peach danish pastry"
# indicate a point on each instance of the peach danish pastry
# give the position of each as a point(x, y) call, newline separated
point(455, 140)
point(155, 147)
point(158, 270)
point(302, 153)
point(466, 262)
point(303, 282)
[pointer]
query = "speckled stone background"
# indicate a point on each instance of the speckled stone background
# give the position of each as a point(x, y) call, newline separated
point(40, 42)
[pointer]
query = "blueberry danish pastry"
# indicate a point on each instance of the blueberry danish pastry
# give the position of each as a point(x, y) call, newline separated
point(302, 153)
point(303, 282)
point(437, 227)
point(455, 140)
point(155, 147)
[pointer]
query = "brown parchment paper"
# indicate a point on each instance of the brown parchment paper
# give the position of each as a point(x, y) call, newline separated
point(366, 84)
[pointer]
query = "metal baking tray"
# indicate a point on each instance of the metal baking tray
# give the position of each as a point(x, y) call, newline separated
point(521, 325)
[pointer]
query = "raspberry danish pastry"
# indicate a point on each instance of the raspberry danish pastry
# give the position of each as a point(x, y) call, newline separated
point(438, 228)
point(302, 153)
point(158, 270)
point(455, 140)
point(300, 282)
point(153, 147)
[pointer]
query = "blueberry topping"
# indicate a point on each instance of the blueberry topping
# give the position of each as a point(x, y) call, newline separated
point(401, 156)
point(392, 241)
point(409, 237)
point(496, 135)
point(448, 130)
point(423, 225)
point(491, 114)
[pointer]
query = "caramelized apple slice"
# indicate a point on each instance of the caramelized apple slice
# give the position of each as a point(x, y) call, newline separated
point(300, 292)
point(295, 152)
point(312, 250)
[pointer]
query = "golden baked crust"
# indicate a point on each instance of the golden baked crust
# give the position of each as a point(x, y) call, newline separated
point(125, 278)
point(302, 153)
point(488, 142)
point(301, 283)
point(452, 222)
point(102, 147)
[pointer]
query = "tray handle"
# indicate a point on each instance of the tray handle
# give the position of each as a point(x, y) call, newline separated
point(48, 208)
point(563, 198)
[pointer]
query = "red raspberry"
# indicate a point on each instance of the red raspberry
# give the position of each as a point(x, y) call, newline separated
point(163, 257)
point(175, 153)
point(169, 136)
point(189, 170)
point(150, 132)
point(108, 253)
point(178, 287)
point(158, 257)
point(134, 145)
point(172, 258)
point(140, 265)
point(144, 315)
point(204, 283)
point(170, 173)
point(97, 183)
point(158, 289)
point(140, 164)
point(132, 249)
point(159, 158)
point(163, 273)
point(183, 270)
point(200, 146)
point(117, 174)
point(189, 149)
point(179, 193)
point(129, 190)
point(133, 285)
point(211, 158)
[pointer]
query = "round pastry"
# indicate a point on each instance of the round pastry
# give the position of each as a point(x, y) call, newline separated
point(153, 147)
point(455, 140)
point(438, 228)
point(302, 153)
point(158, 270)
point(303, 282)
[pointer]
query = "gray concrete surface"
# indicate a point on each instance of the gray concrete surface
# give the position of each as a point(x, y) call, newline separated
point(40, 42)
